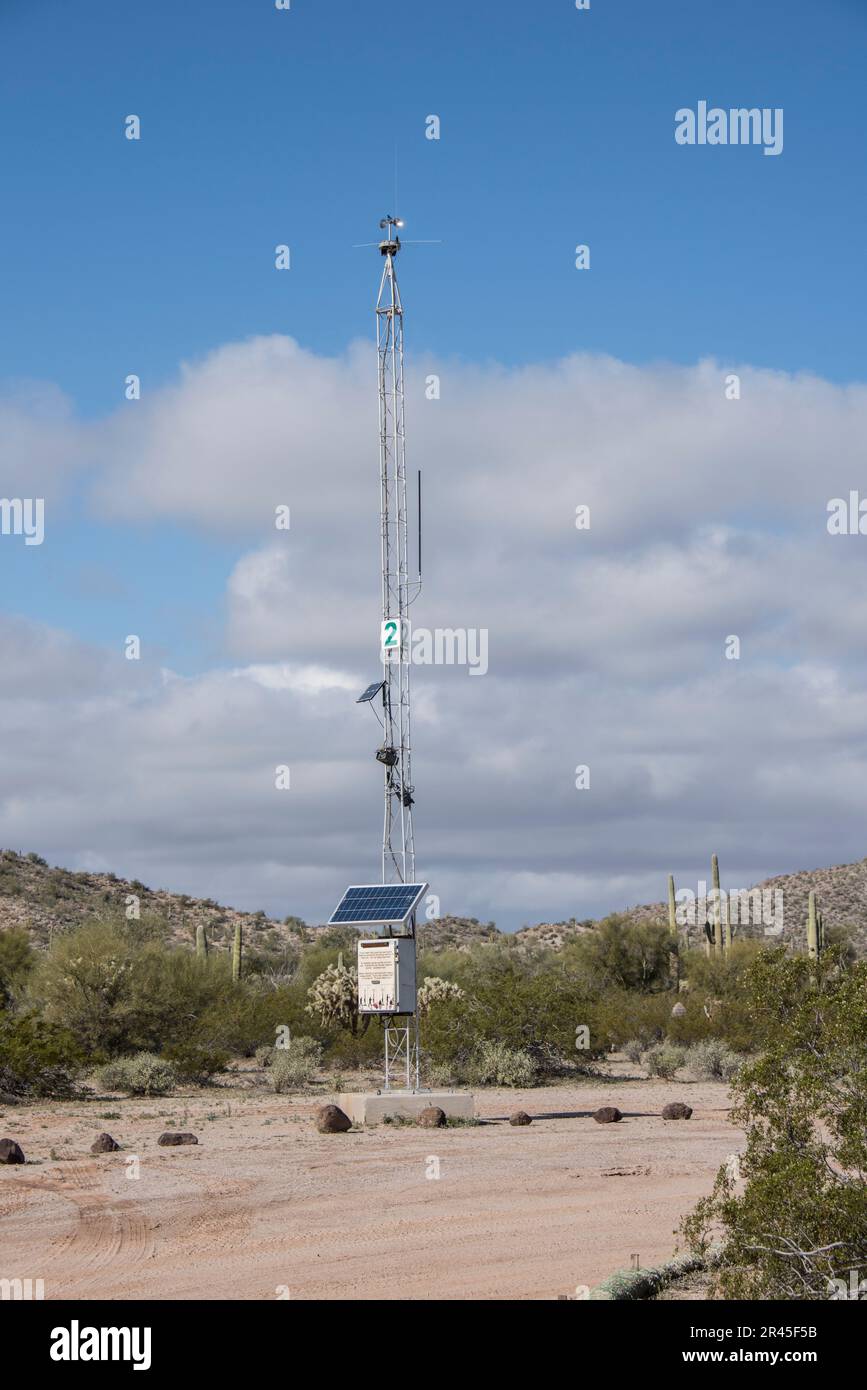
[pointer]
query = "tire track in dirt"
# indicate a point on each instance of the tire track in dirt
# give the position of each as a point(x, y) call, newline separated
point(110, 1235)
point(224, 1221)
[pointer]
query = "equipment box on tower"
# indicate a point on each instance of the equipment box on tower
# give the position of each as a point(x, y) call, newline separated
point(386, 975)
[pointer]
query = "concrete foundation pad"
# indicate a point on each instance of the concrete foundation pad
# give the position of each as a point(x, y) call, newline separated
point(371, 1107)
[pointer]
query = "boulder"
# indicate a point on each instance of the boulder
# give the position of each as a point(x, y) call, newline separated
point(607, 1115)
point(10, 1152)
point(432, 1118)
point(171, 1138)
point(520, 1117)
point(330, 1119)
point(104, 1144)
point(676, 1110)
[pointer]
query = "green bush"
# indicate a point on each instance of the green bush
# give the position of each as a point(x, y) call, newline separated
point(798, 1226)
point(196, 1062)
point(122, 990)
point(85, 984)
point(142, 1075)
point(664, 1060)
point(17, 959)
point(618, 1016)
point(495, 1064)
point(296, 1065)
point(439, 1075)
point(622, 954)
point(713, 1060)
point(634, 1049)
point(37, 1059)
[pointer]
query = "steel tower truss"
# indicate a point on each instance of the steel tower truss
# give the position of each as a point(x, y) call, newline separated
point(398, 591)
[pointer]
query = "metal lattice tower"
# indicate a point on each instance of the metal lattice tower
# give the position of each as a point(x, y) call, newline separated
point(398, 591)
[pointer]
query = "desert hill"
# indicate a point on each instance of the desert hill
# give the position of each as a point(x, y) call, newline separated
point(48, 900)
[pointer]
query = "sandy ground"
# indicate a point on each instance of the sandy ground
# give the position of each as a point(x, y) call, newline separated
point(265, 1207)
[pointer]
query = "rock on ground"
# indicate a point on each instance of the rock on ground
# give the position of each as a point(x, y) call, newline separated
point(607, 1115)
point(676, 1110)
point(432, 1117)
point(330, 1119)
point(104, 1144)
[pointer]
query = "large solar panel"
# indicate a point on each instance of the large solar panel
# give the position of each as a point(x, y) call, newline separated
point(375, 904)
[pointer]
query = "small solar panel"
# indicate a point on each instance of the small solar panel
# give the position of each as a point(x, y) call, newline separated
point(371, 692)
point(375, 904)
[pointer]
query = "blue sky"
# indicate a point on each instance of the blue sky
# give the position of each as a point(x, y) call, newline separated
point(262, 127)
point(557, 127)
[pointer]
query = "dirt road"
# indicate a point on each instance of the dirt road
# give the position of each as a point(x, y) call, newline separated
point(265, 1207)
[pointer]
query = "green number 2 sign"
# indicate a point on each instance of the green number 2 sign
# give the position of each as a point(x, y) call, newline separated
point(390, 640)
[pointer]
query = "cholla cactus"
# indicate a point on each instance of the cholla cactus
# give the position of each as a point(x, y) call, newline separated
point(434, 990)
point(333, 998)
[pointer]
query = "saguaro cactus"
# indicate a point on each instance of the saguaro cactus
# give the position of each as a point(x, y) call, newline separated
point(717, 918)
point(236, 954)
point(201, 942)
point(813, 930)
point(672, 926)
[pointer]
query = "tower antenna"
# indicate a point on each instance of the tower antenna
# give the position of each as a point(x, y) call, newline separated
point(386, 971)
point(398, 591)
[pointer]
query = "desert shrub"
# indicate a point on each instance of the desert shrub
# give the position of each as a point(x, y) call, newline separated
point(17, 959)
point(237, 1021)
point(529, 1002)
point(295, 1065)
point(439, 1075)
point(349, 1053)
point(196, 1062)
point(84, 984)
point(799, 1225)
point(622, 954)
point(713, 1060)
point(142, 1075)
point(634, 1049)
point(37, 1059)
point(618, 1016)
point(495, 1064)
point(664, 1059)
point(121, 989)
point(265, 1055)
point(715, 998)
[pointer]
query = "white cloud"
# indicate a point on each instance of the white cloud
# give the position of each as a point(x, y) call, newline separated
point(606, 647)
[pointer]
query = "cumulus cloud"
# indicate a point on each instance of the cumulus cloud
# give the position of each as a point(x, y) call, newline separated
point(606, 646)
